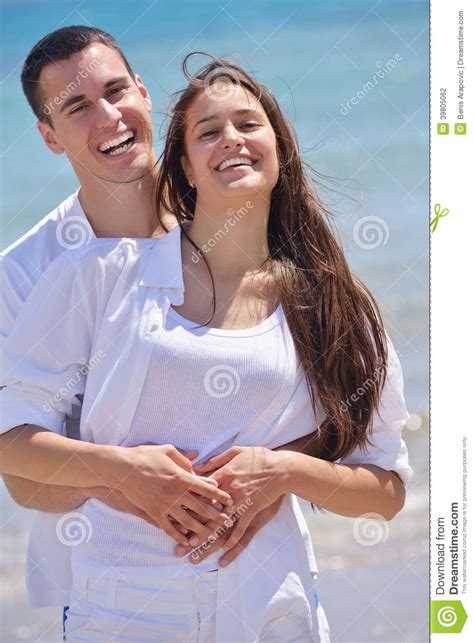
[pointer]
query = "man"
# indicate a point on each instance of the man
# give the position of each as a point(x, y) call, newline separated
point(92, 107)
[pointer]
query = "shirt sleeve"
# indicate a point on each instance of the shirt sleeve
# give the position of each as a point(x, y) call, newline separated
point(46, 352)
point(386, 447)
point(15, 286)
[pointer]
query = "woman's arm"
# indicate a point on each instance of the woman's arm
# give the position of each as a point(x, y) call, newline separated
point(349, 490)
point(265, 475)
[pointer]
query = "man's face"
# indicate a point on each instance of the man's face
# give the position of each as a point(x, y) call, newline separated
point(100, 115)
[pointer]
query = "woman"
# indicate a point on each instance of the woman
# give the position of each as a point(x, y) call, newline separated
point(239, 331)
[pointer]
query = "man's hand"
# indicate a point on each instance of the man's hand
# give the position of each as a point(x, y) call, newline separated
point(159, 480)
point(254, 476)
point(259, 521)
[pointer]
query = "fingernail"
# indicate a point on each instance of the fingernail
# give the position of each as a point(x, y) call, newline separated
point(194, 541)
point(229, 502)
point(223, 562)
point(180, 550)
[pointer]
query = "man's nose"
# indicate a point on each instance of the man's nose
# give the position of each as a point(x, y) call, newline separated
point(107, 113)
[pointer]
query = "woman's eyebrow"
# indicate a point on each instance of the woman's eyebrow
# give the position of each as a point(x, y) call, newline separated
point(238, 112)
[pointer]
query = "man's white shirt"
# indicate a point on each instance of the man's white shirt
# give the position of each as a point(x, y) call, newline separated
point(21, 266)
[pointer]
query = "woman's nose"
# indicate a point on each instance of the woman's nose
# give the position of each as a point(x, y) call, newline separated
point(231, 137)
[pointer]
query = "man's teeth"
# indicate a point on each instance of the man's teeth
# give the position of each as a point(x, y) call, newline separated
point(121, 150)
point(236, 161)
point(116, 141)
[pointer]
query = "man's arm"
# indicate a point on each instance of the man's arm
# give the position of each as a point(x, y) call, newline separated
point(59, 499)
point(46, 497)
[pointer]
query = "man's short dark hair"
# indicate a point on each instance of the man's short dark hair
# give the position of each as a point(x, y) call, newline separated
point(60, 45)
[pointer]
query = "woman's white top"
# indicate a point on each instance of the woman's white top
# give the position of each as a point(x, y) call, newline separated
point(106, 332)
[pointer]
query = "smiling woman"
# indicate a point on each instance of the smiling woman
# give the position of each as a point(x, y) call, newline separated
point(214, 365)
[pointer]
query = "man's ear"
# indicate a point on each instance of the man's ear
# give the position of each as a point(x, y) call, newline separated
point(50, 138)
point(143, 91)
point(187, 169)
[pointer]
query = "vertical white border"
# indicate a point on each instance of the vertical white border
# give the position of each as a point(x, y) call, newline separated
point(452, 295)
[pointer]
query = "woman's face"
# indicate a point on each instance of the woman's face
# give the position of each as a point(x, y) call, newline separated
point(230, 147)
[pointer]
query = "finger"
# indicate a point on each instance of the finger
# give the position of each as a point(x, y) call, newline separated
point(201, 531)
point(206, 548)
point(179, 459)
point(203, 488)
point(190, 455)
point(216, 461)
point(211, 481)
point(173, 532)
point(236, 535)
point(205, 510)
point(182, 529)
point(232, 554)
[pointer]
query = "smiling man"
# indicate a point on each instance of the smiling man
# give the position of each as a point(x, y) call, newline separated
point(91, 107)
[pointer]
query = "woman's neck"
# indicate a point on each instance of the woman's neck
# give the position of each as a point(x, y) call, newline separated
point(233, 237)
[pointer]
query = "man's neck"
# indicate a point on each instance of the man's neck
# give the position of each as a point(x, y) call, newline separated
point(121, 210)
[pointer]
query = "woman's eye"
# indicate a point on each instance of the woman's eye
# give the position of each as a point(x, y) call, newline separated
point(208, 134)
point(250, 125)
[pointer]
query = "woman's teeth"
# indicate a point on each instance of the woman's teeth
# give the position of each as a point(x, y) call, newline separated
point(242, 160)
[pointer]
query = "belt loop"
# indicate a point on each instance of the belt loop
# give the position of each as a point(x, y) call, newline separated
point(111, 592)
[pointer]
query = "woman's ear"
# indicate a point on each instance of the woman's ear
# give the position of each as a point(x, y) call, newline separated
point(50, 138)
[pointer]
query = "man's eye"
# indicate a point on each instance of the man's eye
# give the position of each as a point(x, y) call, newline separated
point(77, 109)
point(117, 90)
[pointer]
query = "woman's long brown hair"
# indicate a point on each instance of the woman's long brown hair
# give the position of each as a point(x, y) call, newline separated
point(334, 320)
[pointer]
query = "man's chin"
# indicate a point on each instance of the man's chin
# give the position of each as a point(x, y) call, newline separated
point(128, 170)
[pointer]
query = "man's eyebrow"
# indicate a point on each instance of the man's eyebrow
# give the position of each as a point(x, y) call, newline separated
point(72, 100)
point(238, 112)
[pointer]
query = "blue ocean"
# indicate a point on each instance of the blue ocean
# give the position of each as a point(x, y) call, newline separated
point(353, 78)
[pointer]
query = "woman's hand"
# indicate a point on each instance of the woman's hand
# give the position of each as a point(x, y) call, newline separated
point(255, 477)
point(160, 481)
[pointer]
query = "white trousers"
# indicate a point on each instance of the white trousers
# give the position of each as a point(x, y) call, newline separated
point(170, 610)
